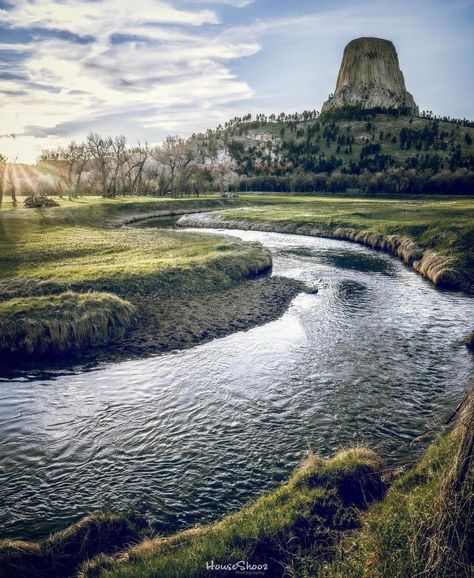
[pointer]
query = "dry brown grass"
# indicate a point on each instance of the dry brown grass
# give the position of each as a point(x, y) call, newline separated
point(451, 544)
point(60, 555)
point(61, 323)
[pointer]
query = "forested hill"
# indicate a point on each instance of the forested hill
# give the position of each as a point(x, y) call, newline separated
point(375, 152)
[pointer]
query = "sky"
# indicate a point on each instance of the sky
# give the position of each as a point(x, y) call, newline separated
point(149, 68)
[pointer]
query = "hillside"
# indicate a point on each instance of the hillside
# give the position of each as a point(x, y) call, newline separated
point(298, 152)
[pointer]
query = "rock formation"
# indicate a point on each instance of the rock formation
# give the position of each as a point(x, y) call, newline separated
point(370, 78)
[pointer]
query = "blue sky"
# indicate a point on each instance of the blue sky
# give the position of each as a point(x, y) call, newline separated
point(153, 67)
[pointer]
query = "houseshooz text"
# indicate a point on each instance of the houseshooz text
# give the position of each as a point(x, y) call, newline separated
point(241, 565)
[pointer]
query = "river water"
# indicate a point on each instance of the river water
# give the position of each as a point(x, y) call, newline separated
point(184, 437)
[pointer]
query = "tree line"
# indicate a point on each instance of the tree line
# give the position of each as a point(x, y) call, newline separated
point(306, 151)
point(393, 181)
point(106, 165)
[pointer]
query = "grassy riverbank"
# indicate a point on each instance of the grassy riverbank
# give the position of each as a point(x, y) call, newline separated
point(433, 235)
point(82, 246)
point(320, 501)
point(52, 258)
point(424, 526)
point(332, 519)
point(317, 523)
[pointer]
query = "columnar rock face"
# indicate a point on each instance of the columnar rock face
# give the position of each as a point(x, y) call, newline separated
point(370, 77)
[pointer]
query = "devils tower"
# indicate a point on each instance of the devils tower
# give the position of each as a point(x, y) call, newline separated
point(370, 78)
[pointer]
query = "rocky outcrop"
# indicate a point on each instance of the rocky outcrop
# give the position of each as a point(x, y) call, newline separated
point(370, 78)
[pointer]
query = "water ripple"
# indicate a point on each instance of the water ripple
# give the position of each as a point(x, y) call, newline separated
point(375, 357)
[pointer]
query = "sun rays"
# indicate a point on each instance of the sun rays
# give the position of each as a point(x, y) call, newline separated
point(23, 180)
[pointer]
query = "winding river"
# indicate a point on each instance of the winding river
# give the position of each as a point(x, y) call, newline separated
point(184, 437)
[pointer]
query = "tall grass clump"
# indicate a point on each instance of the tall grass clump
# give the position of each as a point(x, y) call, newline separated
point(306, 515)
point(62, 323)
point(424, 527)
point(62, 553)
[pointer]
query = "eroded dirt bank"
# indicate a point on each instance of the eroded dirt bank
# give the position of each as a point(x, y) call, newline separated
point(185, 321)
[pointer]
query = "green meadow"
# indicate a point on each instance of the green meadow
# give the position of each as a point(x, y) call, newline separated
point(443, 226)
point(56, 256)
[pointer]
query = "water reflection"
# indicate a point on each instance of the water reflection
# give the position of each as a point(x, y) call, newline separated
point(375, 263)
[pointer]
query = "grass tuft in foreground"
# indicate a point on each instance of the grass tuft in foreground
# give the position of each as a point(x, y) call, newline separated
point(61, 323)
point(424, 527)
point(61, 554)
point(307, 514)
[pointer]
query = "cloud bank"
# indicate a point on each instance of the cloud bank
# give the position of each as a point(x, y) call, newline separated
point(143, 62)
point(158, 66)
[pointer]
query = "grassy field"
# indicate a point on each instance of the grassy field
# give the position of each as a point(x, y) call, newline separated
point(76, 247)
point(82, 246)
point(435, 227)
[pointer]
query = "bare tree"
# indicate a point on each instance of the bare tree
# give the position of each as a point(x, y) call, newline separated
point(134, 168)
point(224, 170)
point(52, 162)
point(166, 157)
point(119, 156)
point(179, 165)
point(66, 167)
point(77, 156)
point(100, 149)
point(10, 173)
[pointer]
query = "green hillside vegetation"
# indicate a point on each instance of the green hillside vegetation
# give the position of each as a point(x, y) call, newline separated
point(373, 152)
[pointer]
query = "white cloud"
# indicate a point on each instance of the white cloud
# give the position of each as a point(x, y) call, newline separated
point(172, 70)
point(236, 3)
point(167, 63)
point(101, 17)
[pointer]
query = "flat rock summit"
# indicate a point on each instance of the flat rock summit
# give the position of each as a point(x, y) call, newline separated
point(370, 78)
